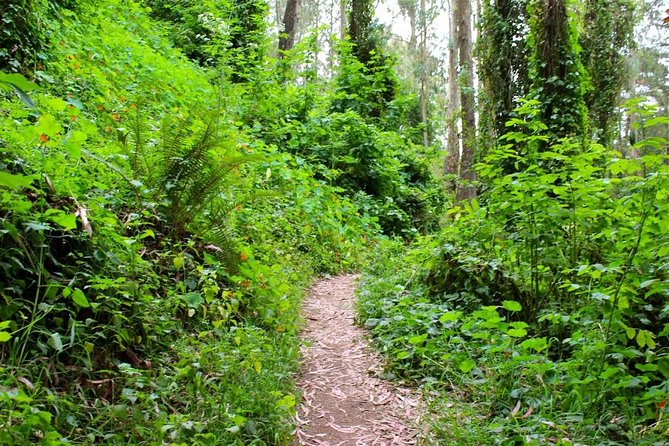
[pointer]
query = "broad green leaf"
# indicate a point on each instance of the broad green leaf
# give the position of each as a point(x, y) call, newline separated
point(67, 221)
point(649, 338)
point(517, 332)
point(663, 366)
point(537, 344)
point(178, 262)
point(623, 302)
point(18, 81)
point(641, 338)
point(467, 365)
point(79, 298)
point(647, 367)
point(403, 354)
point(609, 372)
point(15, 181)
point(19, 85)
point(647, 282)
point(449, 316)
point(74, 142)
point(286, 403)
point(194, 299)
point(47, 125)
point(417, 339)
point(656, 121)
point(4, 336)
point(630, 332)
point(511, 305)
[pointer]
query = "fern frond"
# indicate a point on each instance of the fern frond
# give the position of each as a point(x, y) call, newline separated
point(223, 246)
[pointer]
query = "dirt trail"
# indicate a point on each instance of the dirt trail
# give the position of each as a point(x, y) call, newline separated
point(345, 402)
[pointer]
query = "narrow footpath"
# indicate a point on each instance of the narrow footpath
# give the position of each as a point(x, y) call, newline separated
point(345, 402)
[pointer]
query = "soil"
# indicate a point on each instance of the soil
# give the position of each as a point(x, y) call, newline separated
point(345, 402)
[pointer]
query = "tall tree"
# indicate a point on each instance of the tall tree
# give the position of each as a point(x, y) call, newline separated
point(424, 73)
point(556, 71)
point(607, 39)
point(420, 56)
point(408, 8)
point(360, 29)
point(290, 17)
point(502, 53)
point(452, 162)
point(463, 21)
point(460, 158)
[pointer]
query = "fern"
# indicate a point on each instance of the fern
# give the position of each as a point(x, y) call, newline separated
point(223, 246)
point(188, 171)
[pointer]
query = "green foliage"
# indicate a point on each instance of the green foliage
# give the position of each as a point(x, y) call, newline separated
point(247, 39)
point(366, 86)
point(556, 72)
point(606, 40)
point(21, 36)
point(153, 252)
point(543, 305)
point(502, 54)
point(387, 174)
point(198, 28)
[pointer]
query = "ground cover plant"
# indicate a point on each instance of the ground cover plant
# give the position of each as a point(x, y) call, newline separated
point(541, 305)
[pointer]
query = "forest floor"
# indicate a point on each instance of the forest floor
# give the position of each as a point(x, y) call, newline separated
point(345, 401)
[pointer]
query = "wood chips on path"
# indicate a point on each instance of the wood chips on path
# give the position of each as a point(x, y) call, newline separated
point(345, 402)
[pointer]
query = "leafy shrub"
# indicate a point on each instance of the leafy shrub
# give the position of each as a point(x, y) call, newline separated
point(542, 304)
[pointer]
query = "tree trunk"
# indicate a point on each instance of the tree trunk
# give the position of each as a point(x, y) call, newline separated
point(466, 189)
point(424, 70)
point(287, 37)
point(342, 19)
point(452, 160)
point(411, 12)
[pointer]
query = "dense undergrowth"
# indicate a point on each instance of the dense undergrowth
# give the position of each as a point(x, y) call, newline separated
point(538, 314)
point(160, 219)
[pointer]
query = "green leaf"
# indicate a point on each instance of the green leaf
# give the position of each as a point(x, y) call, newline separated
point(656, 121)
point(647, 367)
point(623, 302)
point(609, 372)
point(15, 181)
point(467, 365)
point(537, 344)
point(647, 282)
point(649, 338)
point(511, 305)
point(55, 342)
point(19, 85)
point(73, 143)
point(67, 221)
point(630, 332)
point(48, 125)
point(449, 316)
point(517, 332)
point(37, 226)
point(403, 354)
point(18, 81)
point(79, 298)
point(4, 336)
point(417, 339)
